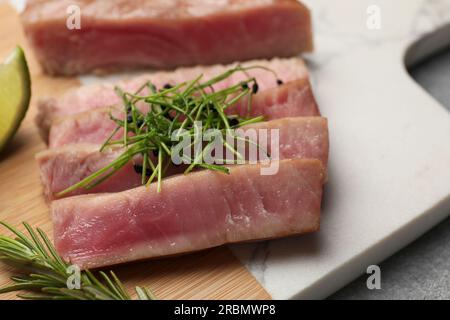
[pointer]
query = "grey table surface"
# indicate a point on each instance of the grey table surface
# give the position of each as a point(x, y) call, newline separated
point(422, 269)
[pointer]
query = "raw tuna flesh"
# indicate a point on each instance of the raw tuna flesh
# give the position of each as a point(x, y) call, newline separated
point(102, 95)
point(63, 167)
point(202, 210)
point(124, 34)
point(293, 99)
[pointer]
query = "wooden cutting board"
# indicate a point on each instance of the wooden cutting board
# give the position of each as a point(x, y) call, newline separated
point(210, 274)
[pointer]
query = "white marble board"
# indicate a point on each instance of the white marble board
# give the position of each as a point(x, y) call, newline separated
point(390, 147)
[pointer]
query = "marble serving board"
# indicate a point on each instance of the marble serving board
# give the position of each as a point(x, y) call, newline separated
point(389, 171)
point(390, 145)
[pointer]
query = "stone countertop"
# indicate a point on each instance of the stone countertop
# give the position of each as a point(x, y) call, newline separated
point(420, 271)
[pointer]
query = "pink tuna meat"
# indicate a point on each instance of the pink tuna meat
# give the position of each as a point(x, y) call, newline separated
point(293, 99)
point(63, 167)
point(90, 97)
point(123, 34)
point(202, 210)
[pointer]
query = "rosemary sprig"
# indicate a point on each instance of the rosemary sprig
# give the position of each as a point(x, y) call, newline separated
point(47, 275)
point(147, 134)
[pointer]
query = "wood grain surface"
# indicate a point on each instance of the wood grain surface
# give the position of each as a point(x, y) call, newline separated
point(210, 274)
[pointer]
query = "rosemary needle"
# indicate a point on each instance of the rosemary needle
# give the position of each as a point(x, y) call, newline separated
point(47, 274)
point(175, 107)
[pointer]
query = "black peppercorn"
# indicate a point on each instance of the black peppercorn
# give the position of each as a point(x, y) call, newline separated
point(233, 121)
point(138, 169)
point(139, 123)
point(129, 118)
point(255, 88)
point(212, 109)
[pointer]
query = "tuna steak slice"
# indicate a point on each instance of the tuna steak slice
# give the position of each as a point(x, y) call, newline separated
point(292, 99)
point(63, 167)
point(195, 212)
point(90, 97)
point(123, 34)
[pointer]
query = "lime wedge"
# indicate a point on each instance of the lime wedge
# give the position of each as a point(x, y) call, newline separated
point(15, 94)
